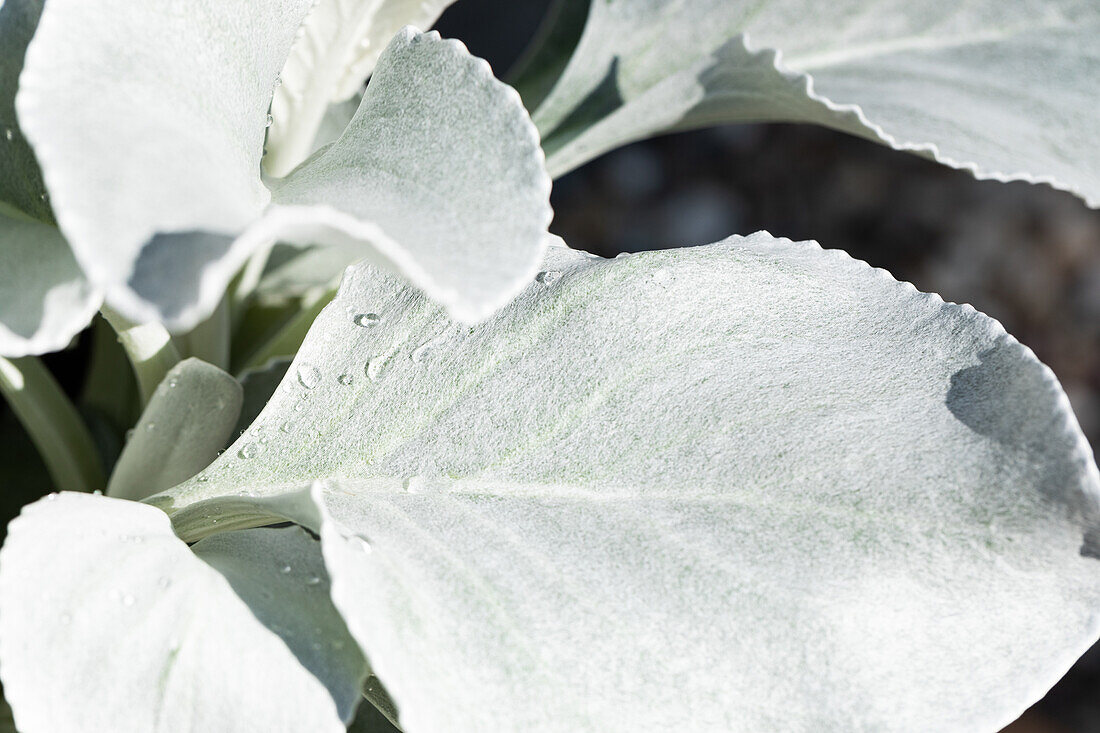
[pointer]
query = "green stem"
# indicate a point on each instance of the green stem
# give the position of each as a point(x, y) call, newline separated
point(59, 433)
point(149, 348)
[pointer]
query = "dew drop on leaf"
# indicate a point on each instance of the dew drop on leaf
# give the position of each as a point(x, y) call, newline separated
point(308, 376)
point(286, 569)
point(345, 379)
point(366, 320)
point(249, 451)
point(547, 277)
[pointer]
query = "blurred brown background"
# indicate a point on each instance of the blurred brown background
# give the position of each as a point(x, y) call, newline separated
point(1027, 255)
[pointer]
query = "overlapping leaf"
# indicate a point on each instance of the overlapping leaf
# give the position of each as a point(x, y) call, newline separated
point(1006, 90)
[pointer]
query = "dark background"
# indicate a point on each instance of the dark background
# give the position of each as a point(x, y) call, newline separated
point(1027, 255)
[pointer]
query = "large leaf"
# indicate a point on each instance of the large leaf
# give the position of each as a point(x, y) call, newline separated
point(45, 299)
point(749, 486)
point(1006, 90)
point(108, 622)
point(334, 52)
point(182, 88)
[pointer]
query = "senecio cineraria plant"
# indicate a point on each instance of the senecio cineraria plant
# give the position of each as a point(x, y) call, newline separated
point(505, 485)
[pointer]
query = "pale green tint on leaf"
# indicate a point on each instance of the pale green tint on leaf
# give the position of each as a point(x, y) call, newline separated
point(1005, 90)
point(21, 184)
point(458, 197)
point(189, 419)
point(45, 299)
point(108, 622)
point(750, 486)
point(334, 52)
point(439, 175)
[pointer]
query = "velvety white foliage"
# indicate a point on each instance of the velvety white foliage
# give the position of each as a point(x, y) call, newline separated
point(149, 124)
point(149, 118)
point(189, 419)
point(334, 52)
point(108, 622)
point(45, 299)
point(457, 202)
point(1006, 90)
point(749, 486)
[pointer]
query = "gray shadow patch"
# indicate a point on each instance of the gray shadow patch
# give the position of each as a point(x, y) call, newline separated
point(1009, 399)
point(1005, 397)
point(1090, 547)
point(170, 267)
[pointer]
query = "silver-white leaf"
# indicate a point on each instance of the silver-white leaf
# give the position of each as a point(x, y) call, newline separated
point(1005, 90)
point(749, 486)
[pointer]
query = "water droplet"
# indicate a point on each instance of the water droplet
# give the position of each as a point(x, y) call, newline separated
point(127, 600)
point(277, 83)
point(662, 277)
point(270, 121)
point(366, 320)
point(364, 44)
point(150, 427)
point(345, 379)
point(375, 367)
point(313, 580)
point(414, 484)
point(173, 382)
point(547, 277)
point(98, 492)
point(287, 426)
point(9, 134)
point(51, 497)
point(43, 197)
point(308, 376)
point(249, 451)
point(203, 479)
point(286, 569)
point(362, 545)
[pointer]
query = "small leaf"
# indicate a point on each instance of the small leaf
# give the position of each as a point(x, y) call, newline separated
point(334, 52)
point(109, 623)
point(750, 486)
point(187, 422)
point(439, 176)
point(1004, 90)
